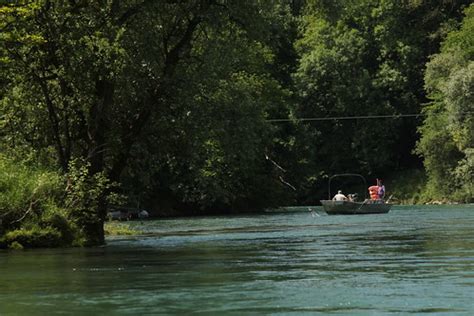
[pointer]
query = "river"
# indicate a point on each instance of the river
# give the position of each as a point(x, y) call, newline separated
point(413, 260)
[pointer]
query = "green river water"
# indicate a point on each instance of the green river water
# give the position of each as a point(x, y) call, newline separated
point(413, 260)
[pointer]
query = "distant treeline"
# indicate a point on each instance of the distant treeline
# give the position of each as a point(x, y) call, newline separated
point(170, 106)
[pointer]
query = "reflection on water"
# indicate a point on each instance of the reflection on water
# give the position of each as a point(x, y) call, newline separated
point(409, 261)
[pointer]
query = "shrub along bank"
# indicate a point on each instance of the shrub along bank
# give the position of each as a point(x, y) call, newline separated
point(31, 212)
point(42, 208)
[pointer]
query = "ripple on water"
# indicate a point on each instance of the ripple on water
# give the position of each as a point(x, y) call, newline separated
point(409, 261)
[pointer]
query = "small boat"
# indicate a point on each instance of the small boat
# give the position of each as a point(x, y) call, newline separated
point(352, 207)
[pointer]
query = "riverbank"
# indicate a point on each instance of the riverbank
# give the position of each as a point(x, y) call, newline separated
point(39, 210)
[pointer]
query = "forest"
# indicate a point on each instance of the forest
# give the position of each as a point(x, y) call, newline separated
point(222, 106)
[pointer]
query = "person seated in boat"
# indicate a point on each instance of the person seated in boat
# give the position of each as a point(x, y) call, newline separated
point(380, 189)
point(339, 196)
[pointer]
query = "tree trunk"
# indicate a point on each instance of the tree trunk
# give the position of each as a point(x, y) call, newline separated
point(96, 132)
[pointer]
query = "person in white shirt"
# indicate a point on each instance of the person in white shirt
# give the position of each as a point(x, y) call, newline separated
point(339, 196)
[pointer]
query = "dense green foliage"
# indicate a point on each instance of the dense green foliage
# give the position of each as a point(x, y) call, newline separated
point(366, 58)
point(169, 99)
point(169, 103)
point(31, 209)
point(447, 134)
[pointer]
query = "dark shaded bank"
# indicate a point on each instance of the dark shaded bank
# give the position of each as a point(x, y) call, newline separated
point(402, 187)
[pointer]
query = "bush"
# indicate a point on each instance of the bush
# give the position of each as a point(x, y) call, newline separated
point(34, 237)
point(57, 218)
point(32, 209)
point(24, 191)
point(407, 187)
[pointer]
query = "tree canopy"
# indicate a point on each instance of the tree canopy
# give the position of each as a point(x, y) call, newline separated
point(366, 58)
point(447, 133)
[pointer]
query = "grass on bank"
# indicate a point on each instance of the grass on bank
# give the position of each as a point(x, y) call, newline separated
point(31, 211)
point(116, 228)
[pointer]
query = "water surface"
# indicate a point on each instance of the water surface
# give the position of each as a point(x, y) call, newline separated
point(413, 260)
